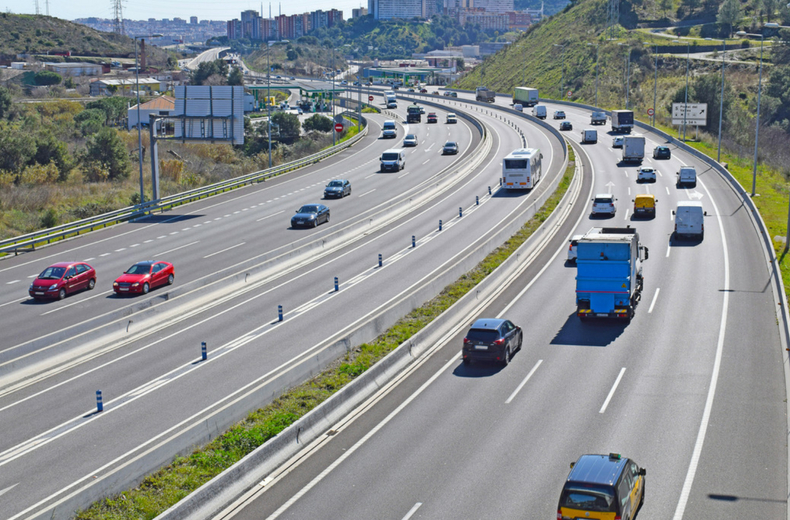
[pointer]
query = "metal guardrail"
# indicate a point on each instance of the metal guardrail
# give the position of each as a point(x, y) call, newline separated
point(29, 241)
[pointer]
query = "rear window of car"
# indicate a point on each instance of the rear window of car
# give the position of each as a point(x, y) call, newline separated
point(486, 335)
point(603, 200)
point(589, 498)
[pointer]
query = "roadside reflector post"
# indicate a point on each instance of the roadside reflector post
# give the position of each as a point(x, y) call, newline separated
point(413, 241)
point(203, 351)
point(440, 225)
point(380, 261)
point(99, 405)
point(477, 200)
point(489, 190)
point(279, 313)
point(460, 212)
point(336, 284)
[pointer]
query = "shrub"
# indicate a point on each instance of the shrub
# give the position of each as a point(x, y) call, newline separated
point(46, 77)
point(49, 219)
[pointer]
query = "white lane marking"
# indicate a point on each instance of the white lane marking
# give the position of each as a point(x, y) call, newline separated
point(371, 175)
point(667, 188)
point(268, 201)
point(453, 360)
point(177, 248)
point(225, 216)
point(92, 258)
point(121, 249)
point(13, 301)
point(625, 217)
point(426, 162)
point(669, 248)
point(404, 175)
point(218, 218)
point(226, 249)
point(186, 229)
point(134, 245)
point(659, 173)
point(629, 190)
point(408, 515)
point(36, 276)
point(145, 242)
point(653, 303)
point(270, 216)
point(6, 490)
point(174, 233)
point(524, 382)
point(714, 377)
point(13, 281)
point(611, 392)
point(237, 212)
point(625, 173)
point(105, 254)
point(671, 216)
point(197, 225)
point(105, 293)
point(371, 191)
point(160, 237)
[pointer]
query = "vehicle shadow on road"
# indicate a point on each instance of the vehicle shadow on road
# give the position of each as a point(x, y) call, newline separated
point(674, 241)
point(503, 193)
point(478, 369)
point(165, 218)
point(590, 333)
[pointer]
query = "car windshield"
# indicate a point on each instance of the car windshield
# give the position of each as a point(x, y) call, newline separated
point(603, 200)
point(647, 170)
point(52, 273)
point(389, 125)
point(449, 144)
point(486, 335)
point(308, 208)
point(139, 269)
point(335, 184)
point(411, 137)
point(389, 157)
point(589, 498)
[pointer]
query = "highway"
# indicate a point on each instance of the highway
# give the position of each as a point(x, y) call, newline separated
point(692, 388)
point(156, 391)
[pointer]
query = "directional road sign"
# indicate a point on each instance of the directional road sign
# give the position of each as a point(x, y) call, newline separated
point(695, 114)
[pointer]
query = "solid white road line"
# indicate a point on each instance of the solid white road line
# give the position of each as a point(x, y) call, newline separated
point(667, 187)
point(625, 217)
point(611, 392)
point(669, 248)
point(177, 248)
point(371, 175)
point(13, 281)
point(6, 490)
point(270, 216)
point(367, 192)
point(653, 303)
point(408, 515)
point(226, 249)
point(524, 382)
point(13, 301)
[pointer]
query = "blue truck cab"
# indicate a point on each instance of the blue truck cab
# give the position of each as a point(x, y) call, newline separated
point(609, 273)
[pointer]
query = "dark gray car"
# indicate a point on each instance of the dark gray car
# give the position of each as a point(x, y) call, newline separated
point(310, 215)
point(492, 339)
point(337, 188)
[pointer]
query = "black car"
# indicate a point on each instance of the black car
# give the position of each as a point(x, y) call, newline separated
point(450, 148)
point(492, 340)
point(310, 215)
point(566, 125)
point(337, 188)
point(662, 152)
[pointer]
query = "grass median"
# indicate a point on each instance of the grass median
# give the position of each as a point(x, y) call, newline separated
point(161, 490)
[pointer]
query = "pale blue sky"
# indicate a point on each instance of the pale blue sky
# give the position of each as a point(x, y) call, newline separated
point(203, 9)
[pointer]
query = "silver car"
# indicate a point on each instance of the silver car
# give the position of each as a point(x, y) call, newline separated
point(604, 204)
point(646, 174)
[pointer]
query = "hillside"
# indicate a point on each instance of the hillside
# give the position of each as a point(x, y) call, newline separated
point(36, 34)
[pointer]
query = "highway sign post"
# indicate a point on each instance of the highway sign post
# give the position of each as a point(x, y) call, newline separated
point(370, 98)
point(338, 127)
point(570, 93)
point(650, 112)
point(695, 114)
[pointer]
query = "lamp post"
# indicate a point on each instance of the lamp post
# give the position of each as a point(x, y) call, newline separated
point(140, 123)
point(721, 97)
point(562, 81)
point(332, 97)
point(759, 93)
point(596, 45)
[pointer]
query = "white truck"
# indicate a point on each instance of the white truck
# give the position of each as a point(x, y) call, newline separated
point(598, 118)
point(539, 111)
point(633, 148)
point(483, 94)
point(392, 101)
point(522, 169)
point(527, 97)
point(622, 121)
point(589, 135)
point(686, 176)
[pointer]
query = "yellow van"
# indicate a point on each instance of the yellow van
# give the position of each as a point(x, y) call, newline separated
point(602, 487)
point(645, 204)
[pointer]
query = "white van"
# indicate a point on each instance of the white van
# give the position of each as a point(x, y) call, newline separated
point(589, 135)
point(389, 130)
point(689, 218)
point(393, 160)
point(687, 175)
point(539, 111)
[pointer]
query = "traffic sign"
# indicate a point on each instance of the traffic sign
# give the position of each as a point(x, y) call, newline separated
point(338, 127)
point(650, 111)
point(570, 93)
point(694, 114)
point(370, 98)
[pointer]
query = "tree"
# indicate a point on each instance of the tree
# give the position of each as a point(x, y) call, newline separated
point(665, 5)
point(16, 148)
point(114, 108)
point(290, 128)
point(106, 149)
point(46, 77)
point(236, 77)
point(779, 87)
point(50, 149)
point(90, 120)
point(5, 102)
point(769, 6)
point(292, 55)
point(207, 69)
point(319, 123)
point(729, 13)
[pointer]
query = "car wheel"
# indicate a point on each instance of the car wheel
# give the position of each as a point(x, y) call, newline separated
point(327, 217)
point(62, 293)
point(170, 279)
point(315, 223)
point(91, 284)
point(145, 288)
point(506, 357)
point(520, 340)
point(467, 361)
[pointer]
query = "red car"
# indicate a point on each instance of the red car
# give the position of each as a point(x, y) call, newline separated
point(432, 118)
point(58, 280)
point(144, 276)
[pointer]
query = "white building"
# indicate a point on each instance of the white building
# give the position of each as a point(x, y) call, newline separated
point(126, 86)
point(75, 69)
point(495, 6)
point(394, 9)
point(161, 106)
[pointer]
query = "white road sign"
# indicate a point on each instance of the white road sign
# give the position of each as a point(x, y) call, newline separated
point(696, 114)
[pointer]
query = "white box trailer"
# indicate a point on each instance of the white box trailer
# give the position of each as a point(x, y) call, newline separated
point(525, 96)
point(522, 169)
point(633, 148)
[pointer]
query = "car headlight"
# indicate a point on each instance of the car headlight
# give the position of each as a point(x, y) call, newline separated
point(311, 217)
point(136, 284)
point(31, 287)
point(53, 287)
point(115, 284)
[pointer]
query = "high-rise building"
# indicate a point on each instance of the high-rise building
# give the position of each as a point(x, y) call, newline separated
point(356, 13)
point(234, 29)
point(494, 6)
point(334, 17)
point(193, 20)
point(392, 9)
point(250, 25)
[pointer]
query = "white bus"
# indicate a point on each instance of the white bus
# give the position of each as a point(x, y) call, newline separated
point(522, 169)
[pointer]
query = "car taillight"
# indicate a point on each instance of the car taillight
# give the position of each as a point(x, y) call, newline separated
point(499, 341)
point(559, 514)
point(466, 340)
point(570, 247)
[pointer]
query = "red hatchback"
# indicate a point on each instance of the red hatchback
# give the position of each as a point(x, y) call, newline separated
point(144, 276)
point(58, 280)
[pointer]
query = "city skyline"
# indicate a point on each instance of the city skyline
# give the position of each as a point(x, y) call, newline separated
point(179, 8)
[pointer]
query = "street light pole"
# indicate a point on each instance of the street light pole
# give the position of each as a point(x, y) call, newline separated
point(140, 123)
point(757, 125)
point(655, 84)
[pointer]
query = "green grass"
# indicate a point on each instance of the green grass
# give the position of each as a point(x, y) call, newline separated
point(167, 486)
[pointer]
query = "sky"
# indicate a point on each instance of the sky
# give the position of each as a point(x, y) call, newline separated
point(203, 9)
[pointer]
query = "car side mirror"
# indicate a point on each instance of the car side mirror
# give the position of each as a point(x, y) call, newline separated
point(705, 213)
point(647, 253)
point(297, 211)
point(633, 200)
point(642, 471)
point(572, 464)
point(673, 211)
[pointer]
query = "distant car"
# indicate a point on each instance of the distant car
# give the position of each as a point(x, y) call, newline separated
point(450, 94)
point(572, 247)
point(423, 91)
point(344, 82)
point(411, 90)
point(559, 114)
point(618, 141)
point(310, 215)
point(337, 188)
point(410, 140)
point(566, 125)
point(292, 78)
point(604, 204)
point(662, 152)
point(451, 119)
point(422, 109)
point(432, 118)
point(144, 276)
point(395, 87)
point(492, 340)
point(435, 93)
point(279, 77)
point(519, 107)
point(61, 279)
point(450, 148)
point(645, 174)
